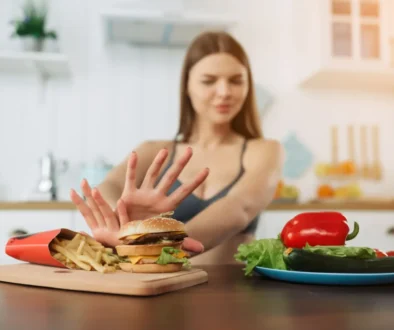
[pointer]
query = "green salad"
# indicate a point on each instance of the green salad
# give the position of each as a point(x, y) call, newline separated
point(268, 252)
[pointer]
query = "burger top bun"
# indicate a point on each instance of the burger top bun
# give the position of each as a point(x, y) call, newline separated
point(150, 226)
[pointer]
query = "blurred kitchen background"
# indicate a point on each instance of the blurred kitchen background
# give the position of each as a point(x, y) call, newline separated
point(106, 77)
point(107, 83)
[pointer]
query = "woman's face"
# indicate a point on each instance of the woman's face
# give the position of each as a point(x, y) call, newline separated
point(217, 87)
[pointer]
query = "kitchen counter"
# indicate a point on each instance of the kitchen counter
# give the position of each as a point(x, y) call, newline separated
point(348, 206)
point(64, 205)
point(228, 301)
point(356, 206)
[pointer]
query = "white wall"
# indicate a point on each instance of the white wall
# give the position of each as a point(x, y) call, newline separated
point(120, 96)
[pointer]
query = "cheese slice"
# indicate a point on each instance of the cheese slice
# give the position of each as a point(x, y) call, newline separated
point(135, 260)
point(180, 255)
point(135, 236)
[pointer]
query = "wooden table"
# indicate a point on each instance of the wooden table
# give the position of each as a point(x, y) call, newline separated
point(230, 301)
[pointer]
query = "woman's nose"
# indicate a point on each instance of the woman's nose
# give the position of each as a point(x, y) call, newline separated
point(223, 89)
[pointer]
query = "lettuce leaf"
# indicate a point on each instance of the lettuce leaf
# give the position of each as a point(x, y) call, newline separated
point(267, 252)
point(343, 251)
point(167, 257)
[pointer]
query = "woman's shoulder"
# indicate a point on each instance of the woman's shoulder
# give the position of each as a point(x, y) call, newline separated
point(262, 144)
point(261, 150)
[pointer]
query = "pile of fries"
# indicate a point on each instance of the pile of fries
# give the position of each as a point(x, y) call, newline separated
point(83, 252)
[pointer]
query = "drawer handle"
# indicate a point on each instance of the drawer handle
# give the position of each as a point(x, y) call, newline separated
point(18, 232)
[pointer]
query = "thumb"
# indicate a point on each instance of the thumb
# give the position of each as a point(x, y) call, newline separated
point(193, 246)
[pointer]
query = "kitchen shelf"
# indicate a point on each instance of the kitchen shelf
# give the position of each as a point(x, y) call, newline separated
point(355, 205)
point(155, 27)
point(33, 206)
point(45, 64)
point(351, 76)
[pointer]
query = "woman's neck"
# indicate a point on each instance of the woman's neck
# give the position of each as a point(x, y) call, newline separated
point(211, 137)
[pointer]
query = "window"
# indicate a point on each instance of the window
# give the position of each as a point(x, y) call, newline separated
point(355, 27)
point(342, 39)
point(341, 7)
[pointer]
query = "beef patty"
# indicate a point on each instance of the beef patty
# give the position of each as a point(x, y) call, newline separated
point(156, 237)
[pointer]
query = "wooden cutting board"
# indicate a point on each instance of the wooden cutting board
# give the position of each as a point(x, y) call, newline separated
point(122, 283)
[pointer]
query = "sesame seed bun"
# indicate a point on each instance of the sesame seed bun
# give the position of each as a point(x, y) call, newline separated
point(150, 226)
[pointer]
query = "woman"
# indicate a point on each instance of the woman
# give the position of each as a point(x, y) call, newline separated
point(219, 125)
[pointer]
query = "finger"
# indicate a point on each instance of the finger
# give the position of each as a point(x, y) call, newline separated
point(172, 174)
point(193, 246)
point(84, 209)
point(108, 214)
point(186, 189)
point(154, 169)
point(131, 172)
point(87, 191)
point(122, 212)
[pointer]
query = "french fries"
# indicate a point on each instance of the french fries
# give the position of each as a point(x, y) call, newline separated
point(83, 252)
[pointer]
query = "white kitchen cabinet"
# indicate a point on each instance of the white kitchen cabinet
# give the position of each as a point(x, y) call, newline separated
point(30, 221)
point(79, 223)
point(376, 227)
point(344, 43)
point(272, 222)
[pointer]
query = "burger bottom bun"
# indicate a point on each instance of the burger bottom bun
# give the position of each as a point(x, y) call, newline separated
point(145, 249)
point(150, 268)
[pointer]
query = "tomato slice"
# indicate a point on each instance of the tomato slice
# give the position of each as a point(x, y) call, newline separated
point(380, 254)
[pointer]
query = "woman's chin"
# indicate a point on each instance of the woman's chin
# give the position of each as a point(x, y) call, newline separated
point(221, 119)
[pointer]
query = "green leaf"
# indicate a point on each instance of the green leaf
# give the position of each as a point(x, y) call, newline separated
point(264, 252)
point(32, 22)
point(342, 251)
point(166, 257)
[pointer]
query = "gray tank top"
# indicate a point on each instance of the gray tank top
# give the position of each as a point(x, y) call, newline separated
point(192, 205)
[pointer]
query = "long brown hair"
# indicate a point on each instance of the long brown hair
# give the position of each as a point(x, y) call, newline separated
point(247, 121)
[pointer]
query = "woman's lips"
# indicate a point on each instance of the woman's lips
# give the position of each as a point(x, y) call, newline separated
point(223, 108)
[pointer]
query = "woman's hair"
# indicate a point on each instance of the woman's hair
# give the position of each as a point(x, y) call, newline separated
point(247, 121)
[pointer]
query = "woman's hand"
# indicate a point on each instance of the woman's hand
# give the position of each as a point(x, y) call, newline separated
point(105, 224)
point(100, 218)
point(151, 199)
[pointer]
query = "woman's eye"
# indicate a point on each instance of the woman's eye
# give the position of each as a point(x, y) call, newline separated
point(237, 82)
point(208, 82)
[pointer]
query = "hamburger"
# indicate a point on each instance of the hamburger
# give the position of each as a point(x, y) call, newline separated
point(152, 246)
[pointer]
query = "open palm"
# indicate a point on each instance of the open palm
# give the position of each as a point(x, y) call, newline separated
point(105, 223)
point(151, 199)
point(138, 203)
point(101, 219)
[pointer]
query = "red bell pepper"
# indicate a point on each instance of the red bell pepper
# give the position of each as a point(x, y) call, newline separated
point(317, 228)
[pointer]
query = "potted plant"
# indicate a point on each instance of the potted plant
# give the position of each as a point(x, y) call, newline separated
point(31, 28)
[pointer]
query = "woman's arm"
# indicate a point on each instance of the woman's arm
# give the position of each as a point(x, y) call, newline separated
point(112, 186)
point(250, 195)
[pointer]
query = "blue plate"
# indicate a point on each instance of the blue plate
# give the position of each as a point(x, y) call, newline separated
point(326, 278)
